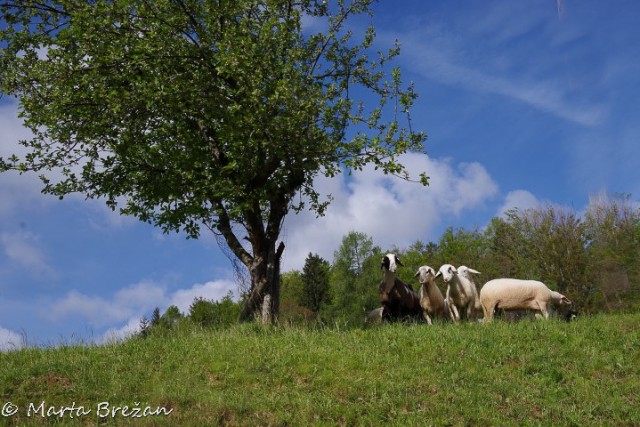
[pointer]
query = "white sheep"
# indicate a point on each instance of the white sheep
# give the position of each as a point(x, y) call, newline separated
point(431, 300)
point(462, 294)
point(515, 294)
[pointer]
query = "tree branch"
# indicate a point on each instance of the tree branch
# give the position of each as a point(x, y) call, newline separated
point(224, 226)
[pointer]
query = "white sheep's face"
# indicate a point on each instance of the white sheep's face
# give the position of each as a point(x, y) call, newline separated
point(390, 262)
point(447, 271)
point(565, 301)
point(466, 272)
point(425, 273)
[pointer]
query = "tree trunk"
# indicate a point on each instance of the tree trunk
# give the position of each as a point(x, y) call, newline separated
point(263, 301)
point(264, 261)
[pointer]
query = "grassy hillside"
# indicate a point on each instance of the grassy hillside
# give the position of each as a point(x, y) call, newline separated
point(528, 373)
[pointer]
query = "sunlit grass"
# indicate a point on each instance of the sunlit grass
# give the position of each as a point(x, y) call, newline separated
point(526, 373)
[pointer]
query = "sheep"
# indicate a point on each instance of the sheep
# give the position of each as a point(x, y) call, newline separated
point(375, 316)
point(397, 298)
point(515, 294)
point(431, 300)
point(462, 294)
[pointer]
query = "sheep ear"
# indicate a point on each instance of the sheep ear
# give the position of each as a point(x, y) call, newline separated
point(566, 300)
point(399, 262)
point(438, 274)
point(471, 270)
point(417, 273)
point(452, 269)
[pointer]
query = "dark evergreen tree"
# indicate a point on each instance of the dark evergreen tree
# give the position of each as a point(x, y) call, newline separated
point(155, 317)
point(145, 327)
point(315, 282)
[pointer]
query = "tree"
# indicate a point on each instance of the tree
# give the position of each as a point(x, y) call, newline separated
point(291, 311)
point(612, 233)
point(192, 114)
point(207, 313)
point(171, 317)
point(144, 327)
point(226, 310)
point(506, 250)
point(202, 312)
point(315, 282)
point(354, 280)
point(462, 247)
point(545, 243)
point(155, 317)
point(353, 251)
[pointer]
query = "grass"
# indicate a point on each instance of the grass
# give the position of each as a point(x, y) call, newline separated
point(527, 373)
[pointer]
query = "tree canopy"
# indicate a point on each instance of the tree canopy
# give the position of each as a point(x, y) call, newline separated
point(203, 113)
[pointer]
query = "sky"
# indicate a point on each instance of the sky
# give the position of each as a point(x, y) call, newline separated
point(524, 103)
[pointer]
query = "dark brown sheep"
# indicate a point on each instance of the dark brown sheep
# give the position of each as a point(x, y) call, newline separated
point(399, 301)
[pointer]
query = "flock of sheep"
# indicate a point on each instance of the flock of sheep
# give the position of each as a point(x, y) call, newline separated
point(462, 300)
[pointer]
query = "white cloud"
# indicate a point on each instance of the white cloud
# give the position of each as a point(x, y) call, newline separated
point(390, 210)
point(520, 199)
point(143, 294)
point(214, 290)
point(23, 248)
point(114, 335)
point(97, 310)
point(12, 130)
point(10, 340)
point(15, 190)
point(132, 303)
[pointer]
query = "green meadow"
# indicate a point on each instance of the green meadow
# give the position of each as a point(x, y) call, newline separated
point(524, 373)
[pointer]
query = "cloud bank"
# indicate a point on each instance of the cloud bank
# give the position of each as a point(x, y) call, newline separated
point(390, 210)
point(520, 199)
point(10, 340)
point(23, 249)
point(128, 305)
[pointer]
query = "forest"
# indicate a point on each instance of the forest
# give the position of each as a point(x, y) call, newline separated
point(593, 257)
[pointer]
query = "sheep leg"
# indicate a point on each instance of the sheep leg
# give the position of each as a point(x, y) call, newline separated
point(543, 310)
point(455, 315)
point(488, 312)
point(470, 314)
point(427, 317)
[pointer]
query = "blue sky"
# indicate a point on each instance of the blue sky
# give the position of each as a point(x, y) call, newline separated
point(523, 102)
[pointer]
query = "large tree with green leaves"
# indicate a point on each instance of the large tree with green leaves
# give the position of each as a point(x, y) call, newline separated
point(203, 114)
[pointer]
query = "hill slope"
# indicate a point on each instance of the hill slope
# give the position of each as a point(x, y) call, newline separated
point(526, 373)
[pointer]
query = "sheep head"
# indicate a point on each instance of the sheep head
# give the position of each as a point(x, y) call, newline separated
point(390, 262)
point(559, 299)
point(425, 274)
point(447, 271)
point(466, 272)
